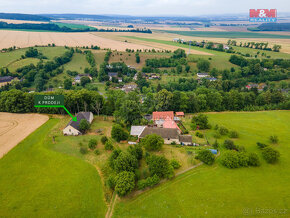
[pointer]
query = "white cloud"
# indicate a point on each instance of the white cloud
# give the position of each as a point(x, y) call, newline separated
point(141, 7)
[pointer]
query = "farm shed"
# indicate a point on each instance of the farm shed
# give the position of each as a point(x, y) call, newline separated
point(185, 139)
point(169, 135)
point(179, 114)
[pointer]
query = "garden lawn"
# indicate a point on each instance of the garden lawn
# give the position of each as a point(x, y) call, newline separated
point(36, 181)
point(216, 191)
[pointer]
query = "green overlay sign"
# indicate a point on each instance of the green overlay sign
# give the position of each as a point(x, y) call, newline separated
point(48, 100)
point(51, 101)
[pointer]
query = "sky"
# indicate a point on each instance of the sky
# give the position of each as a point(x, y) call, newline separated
point(141, 7)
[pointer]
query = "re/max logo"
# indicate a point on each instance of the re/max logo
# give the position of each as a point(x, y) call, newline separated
point(263, 15)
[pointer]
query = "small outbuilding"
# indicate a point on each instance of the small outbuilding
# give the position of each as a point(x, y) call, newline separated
point(185, 139)
point(179, 114)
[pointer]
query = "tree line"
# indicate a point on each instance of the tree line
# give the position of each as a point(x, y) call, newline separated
point(128, 109)
point(57, 28)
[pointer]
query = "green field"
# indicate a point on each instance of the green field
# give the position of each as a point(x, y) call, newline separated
point(78, 63)
point(73, 26)
point(37, 181)
point(253, 52)
point(13, 66)
point(219, 60)
point(229, 34)
point(12, 59)
point(215, 191)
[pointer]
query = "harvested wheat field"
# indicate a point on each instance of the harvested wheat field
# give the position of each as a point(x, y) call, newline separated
point(159, 46)
point(20, 21)
point(23, 39)
point(16, 127)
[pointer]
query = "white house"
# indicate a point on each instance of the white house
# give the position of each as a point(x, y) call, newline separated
point(72, 127)
point(202, 75)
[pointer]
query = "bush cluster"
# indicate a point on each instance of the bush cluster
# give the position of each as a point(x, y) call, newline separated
point(118, 133)
point(175, 164)
point(160, 166)
point(109, 145)
point(270, 155)
point(125, 183)
point(200, 121)
point(93, 144)
point(261, 145)
point(152, 142)
point(206, 157)
point(149, 182)
point(234, 159)
point(104, 139)
point(199, 134)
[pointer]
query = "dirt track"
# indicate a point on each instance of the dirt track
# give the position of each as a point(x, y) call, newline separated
point(16, 127)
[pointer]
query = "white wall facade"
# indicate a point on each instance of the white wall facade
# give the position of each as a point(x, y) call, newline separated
point(69, 130)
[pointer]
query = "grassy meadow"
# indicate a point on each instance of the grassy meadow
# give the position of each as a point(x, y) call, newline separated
point(253, 52)
point(130, 59)
point(73, 25)
point(37, 181)
point(78, 63)
point(216, 191)
point(12, 60)
point(219, 60)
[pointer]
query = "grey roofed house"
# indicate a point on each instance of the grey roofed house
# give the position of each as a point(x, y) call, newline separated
point(211, 78)
point(6, 79)
point(166, 133)
point(72, 127)
point(148, 117)
point(136, 130)
point(112, 74)
point(77, 78)
point(129, 88)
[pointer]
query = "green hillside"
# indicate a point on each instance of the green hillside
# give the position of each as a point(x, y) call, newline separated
point(36, 181)
point(216, 191)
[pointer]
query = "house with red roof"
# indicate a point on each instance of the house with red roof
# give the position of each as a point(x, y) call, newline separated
point(162, 115)
point(170, 124)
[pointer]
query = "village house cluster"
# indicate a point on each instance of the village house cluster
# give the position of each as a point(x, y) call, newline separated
point(165, 124)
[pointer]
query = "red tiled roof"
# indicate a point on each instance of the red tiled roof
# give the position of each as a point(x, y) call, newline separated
point(179, 114)
point(157, 115)
point(170, 124)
